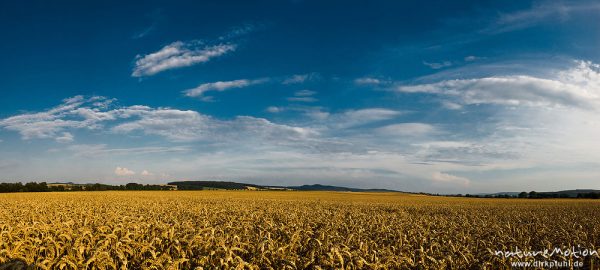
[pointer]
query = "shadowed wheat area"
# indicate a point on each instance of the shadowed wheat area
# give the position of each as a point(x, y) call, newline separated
point(284, 230)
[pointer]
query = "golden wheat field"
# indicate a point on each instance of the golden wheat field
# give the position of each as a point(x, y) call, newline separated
point(284, 230)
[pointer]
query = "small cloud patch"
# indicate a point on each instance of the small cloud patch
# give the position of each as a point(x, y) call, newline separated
point(122, 171)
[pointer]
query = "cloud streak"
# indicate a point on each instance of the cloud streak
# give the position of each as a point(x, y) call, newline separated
point(177, 55)
point(539, 13)
point(452, 179)
point(303, 96)
point(102, 150)
point(438, 65)
point(369, 81)
point(300, 78)
point(578, 86)
point(222, 86)
point(406, 129)
point(73, 113)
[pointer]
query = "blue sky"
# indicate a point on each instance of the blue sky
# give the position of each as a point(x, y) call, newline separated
point(471, 96)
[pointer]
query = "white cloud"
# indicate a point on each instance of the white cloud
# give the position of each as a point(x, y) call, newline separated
point(38, 126)
point(222, 86)
point(369, 81)
point(274, 109)
point(346, 119)
point(472, 58)
point(240, 30)
point(302, 99)
point(65, 138)
point(177, 125)
point(448, 178)
point(538, 123)
point(101, 150)
point(352, 118)
point(295, 79)
point(406, 129)
point(226, 85)
point(172, 124)
point(146, 173)
point(451, 105)
point(123, 171)
point(176, 55)
point(481, 152)
point(438, 65)
point(300, 78)
point(317, 114)
point(445, 144)
point(578, 87)
point(303, 96)
point(74, 113)
point(540, 12)
point(304, 93)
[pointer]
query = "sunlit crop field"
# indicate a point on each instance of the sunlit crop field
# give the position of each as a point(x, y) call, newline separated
point(285, 230)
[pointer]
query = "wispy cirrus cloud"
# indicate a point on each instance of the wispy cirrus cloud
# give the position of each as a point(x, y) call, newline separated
point(303, 96)
point(222, 86)
point(439, 65)
point(300, 78)
point(304, 93)
point(180, 54)
point(540, 12)
point(302, 99)
point(66, 137)
point(74, 113)
point(449, 178)
point(186, 126)
point(406, 129)
point(275, 109)
point(177, 55)
point(472, 58)
point(101, 150)
point(219, 86)
point(369, 81)
point(156, 16)
point(352, 118)
point(144, 32)
point(520, 118)
point(241, 30)
point(577, 86)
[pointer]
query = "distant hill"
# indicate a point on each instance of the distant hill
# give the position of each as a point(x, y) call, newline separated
point(318, 187)
point(499, 194)
point(203, 185)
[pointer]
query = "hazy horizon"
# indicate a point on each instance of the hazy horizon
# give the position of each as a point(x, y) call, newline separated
point(443, 97)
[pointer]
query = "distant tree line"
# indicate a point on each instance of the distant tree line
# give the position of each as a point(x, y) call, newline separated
point(202, 185)
point(593, 195)
point(28, 187)
point(44, 187)
point(539, 195)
